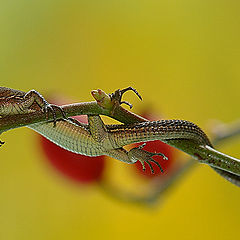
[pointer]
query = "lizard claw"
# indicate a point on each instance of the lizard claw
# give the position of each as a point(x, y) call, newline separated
point(130, 89)
point(127, 103)
point(145, 157)
point(117, 95)
point(50, 108)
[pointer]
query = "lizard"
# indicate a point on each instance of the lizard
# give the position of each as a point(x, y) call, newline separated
point(96, 138)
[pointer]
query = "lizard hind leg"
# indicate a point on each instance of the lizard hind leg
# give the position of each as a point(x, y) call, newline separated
point(145, 157)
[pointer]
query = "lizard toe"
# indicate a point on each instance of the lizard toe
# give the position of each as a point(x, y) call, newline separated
point(144, 156)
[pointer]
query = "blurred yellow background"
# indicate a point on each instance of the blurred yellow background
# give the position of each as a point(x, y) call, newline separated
point(182, 56)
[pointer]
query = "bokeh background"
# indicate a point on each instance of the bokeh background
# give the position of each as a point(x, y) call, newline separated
point(182, 56)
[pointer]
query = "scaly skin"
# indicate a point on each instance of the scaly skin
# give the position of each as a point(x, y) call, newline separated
point(157, 130)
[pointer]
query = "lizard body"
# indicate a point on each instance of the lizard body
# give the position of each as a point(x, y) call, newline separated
point(96, 138)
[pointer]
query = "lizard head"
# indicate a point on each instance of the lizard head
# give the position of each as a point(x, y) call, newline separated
point(102, 98)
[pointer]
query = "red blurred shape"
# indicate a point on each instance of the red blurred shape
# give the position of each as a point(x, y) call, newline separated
point(77, 167)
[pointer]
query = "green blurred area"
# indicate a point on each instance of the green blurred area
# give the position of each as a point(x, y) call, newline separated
point(182, 56)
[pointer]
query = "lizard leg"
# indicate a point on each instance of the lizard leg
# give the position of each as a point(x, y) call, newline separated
point(134, 155)
point(34, 96)
point(97, 128)
point(98, 131)
point(120, 154)
point(143, 157)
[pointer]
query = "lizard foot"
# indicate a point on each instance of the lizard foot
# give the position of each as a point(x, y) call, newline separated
point(1, 143)
point(34, 96)
point(50, 108)
point(117, 95)
point(144, 156)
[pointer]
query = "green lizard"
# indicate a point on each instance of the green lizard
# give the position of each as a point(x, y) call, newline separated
point(96, 138)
